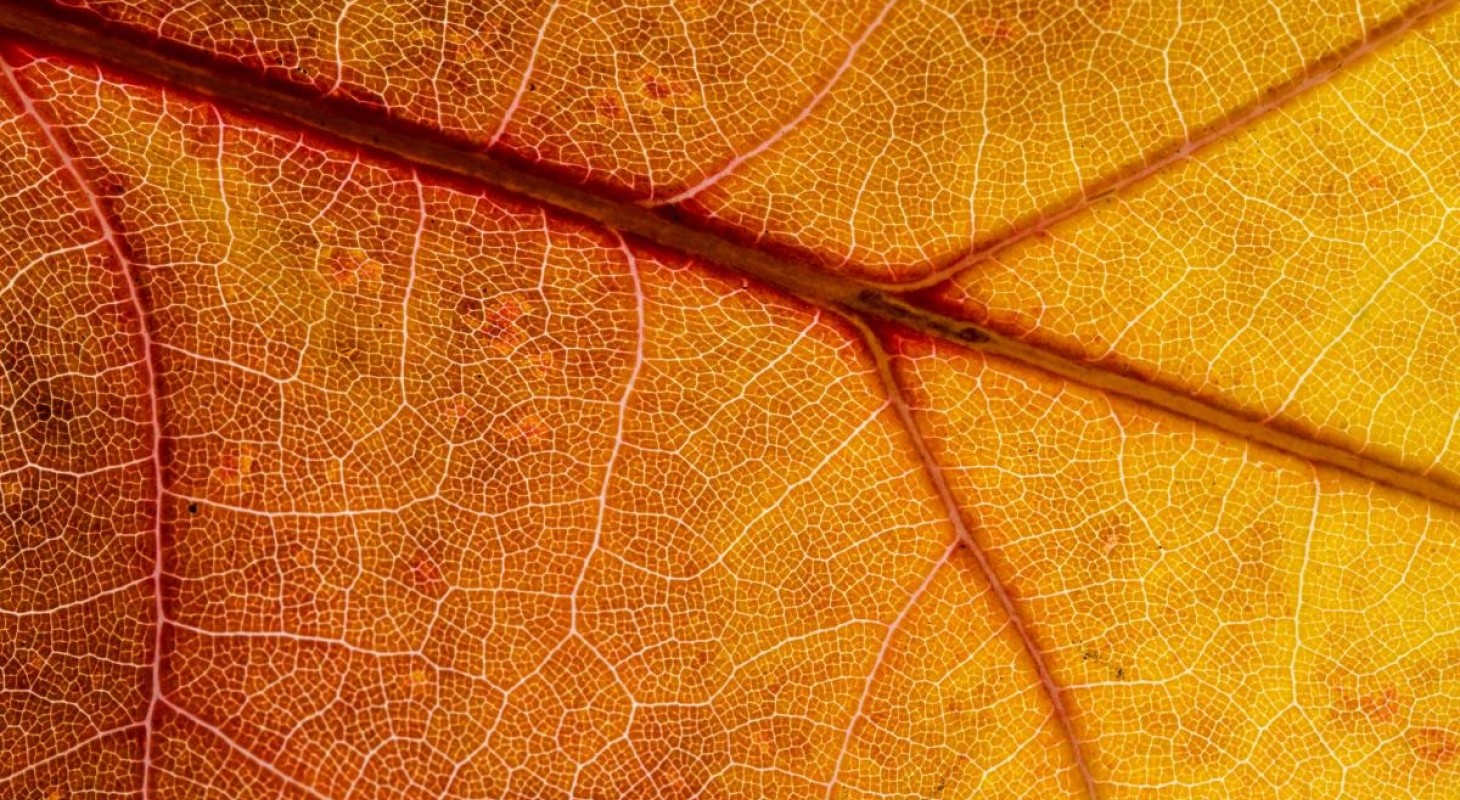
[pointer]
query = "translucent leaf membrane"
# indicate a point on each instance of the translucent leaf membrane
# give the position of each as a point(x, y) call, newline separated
point(460, 499)
point(76, 487)
point(881, 138)
point(1300, 272)
point(643, 97)
point(1226, 622)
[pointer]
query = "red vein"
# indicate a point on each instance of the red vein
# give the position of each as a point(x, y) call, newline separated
point(794, 123)
point(1317, 75)
point(426, 149)
point(934, 472)
point(149, 375)
point(34, 766)
point(821, 291)
point(641, 334)
point(244, 753)
point(882, 650)
point(527, 72)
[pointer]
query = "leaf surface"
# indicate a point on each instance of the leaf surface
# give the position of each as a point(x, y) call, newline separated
point(1300, 272)
point(342, 459)
point(884, 138)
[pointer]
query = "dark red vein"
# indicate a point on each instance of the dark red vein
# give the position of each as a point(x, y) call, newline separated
point(450, 159)
point(1318, 73)
point(454, 160)
point(934, 472)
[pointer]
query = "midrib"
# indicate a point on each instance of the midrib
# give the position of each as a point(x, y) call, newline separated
point(452, 159)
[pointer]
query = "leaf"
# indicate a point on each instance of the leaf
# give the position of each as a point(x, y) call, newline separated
point(457, 400)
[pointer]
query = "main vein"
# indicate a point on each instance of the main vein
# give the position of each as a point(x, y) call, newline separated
point(150, 373)
point(430, 149)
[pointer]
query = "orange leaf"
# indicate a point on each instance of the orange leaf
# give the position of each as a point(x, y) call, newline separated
point(528, 400)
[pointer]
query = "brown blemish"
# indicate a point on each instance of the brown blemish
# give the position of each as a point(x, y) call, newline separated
point(1434, 745)
point(235, 467)
point(350, 267)
point(468, 306)
point(656, 87)
point(1381, 705)
point(999, 30)
point(500, 326)
point(607, 105)
point(424, 575)
point(528, 427)
point(543, 363)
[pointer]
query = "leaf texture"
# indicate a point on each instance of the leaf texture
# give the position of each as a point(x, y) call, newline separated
point(1300, 272)
point(885, 138)
point(1228, 622)
point(1037, 402)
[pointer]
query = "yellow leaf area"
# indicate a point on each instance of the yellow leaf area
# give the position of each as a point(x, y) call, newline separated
point(878, 137)
point(458, 498)
point(1225, 622)
point(326, 476)
point(1300, 273)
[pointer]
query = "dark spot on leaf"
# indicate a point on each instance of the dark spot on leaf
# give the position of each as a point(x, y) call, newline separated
point(109, 185)
point(50, 407)
point(192, 508)
point(1435, 745)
